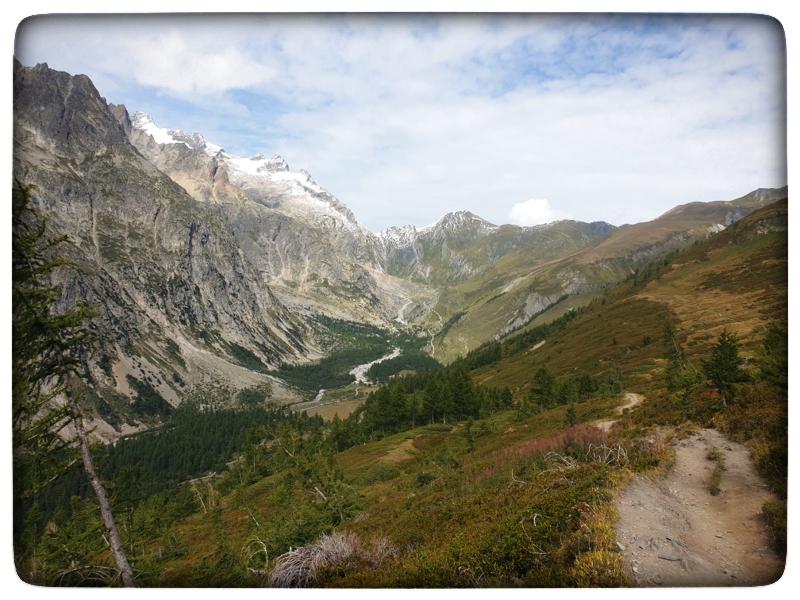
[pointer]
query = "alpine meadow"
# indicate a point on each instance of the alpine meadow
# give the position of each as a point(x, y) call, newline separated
point(538, 338)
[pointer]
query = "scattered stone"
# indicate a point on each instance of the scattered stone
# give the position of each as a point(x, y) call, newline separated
point(621, 547)
point(668, 557)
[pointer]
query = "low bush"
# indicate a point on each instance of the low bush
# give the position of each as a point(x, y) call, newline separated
point(774, 514)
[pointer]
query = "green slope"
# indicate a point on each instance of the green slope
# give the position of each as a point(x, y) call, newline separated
point(518, 287)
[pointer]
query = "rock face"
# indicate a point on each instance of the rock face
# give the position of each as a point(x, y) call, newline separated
point(204, 266)
point(178, 299)
point(304, 243)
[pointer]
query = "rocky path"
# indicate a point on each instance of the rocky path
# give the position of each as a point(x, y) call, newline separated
point(631, 400)
point(673, 532)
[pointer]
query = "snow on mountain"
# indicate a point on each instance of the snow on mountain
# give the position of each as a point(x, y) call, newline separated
point(300, 195)
point(399, 236)
point(143, 121)
point(162, 135)
point(298, 192)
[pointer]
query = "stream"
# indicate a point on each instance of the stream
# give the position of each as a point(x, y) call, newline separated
point(360, 372)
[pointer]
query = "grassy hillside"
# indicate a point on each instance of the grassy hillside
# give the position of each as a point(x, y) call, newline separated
point(738, 280)
point(519, 493)
point(518, 287)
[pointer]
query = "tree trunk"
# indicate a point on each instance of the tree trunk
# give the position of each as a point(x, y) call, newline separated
point(120, 558)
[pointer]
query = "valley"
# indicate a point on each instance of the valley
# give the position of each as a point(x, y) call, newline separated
point(277, 396)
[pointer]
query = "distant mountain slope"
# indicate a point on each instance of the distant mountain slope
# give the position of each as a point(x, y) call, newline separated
point(304, 243)
point(510, 295)
point(462, 245)
point(695, 220)
point(736, 279)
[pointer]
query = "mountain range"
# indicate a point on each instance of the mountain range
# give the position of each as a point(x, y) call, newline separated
point(208, 267)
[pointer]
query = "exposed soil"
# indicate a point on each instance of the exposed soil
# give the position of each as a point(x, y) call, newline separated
point(402, 452)
point(673, 532)
point(631, 400)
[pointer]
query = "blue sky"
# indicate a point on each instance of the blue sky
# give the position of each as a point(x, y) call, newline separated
point(520, 119)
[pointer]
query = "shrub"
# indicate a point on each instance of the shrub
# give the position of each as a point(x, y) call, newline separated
point(599, 568)
point(424, 478)
point(774, 514)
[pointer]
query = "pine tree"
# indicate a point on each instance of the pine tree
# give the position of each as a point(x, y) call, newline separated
point(774, 359)
point(544, 388)
point(47, 350)
point(570, 417)
point(681, 374)
point(722, 369)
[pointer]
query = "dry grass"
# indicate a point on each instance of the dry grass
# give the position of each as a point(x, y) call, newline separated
point(341, 409)
point(304, 566)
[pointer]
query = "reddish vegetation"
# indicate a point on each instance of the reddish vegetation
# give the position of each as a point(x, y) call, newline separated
point(582, 435)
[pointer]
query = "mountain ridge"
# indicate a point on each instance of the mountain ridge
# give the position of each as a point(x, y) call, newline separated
point(212, 266)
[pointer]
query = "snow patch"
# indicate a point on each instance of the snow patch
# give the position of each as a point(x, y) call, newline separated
point(144, 122)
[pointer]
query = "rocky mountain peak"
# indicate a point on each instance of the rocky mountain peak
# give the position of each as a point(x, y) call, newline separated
point(463, 219)
point(66, 110)
point(277, 163)
point(123, 118)
point(458, 224)
point(398, 236)
point(161, 135)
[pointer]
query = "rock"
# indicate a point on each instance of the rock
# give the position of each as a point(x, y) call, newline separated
point(669, 557)
point(621, 547)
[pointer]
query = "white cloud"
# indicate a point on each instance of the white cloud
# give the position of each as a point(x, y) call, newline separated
point(405, 118)
point(535, 212)
point(182, 67)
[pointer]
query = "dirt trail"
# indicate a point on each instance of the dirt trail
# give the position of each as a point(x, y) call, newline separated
point(673, 532)
point(631, 400)
point(403, 451)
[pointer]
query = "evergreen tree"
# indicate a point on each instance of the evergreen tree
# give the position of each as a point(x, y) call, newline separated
point(681, 374)
point(571, 418)
point(723, 369)
point(47, 350)
point(774, 359)
point(544, 388)
point(469, 436)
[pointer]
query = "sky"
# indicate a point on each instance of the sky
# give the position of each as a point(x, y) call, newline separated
point(521, 119)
